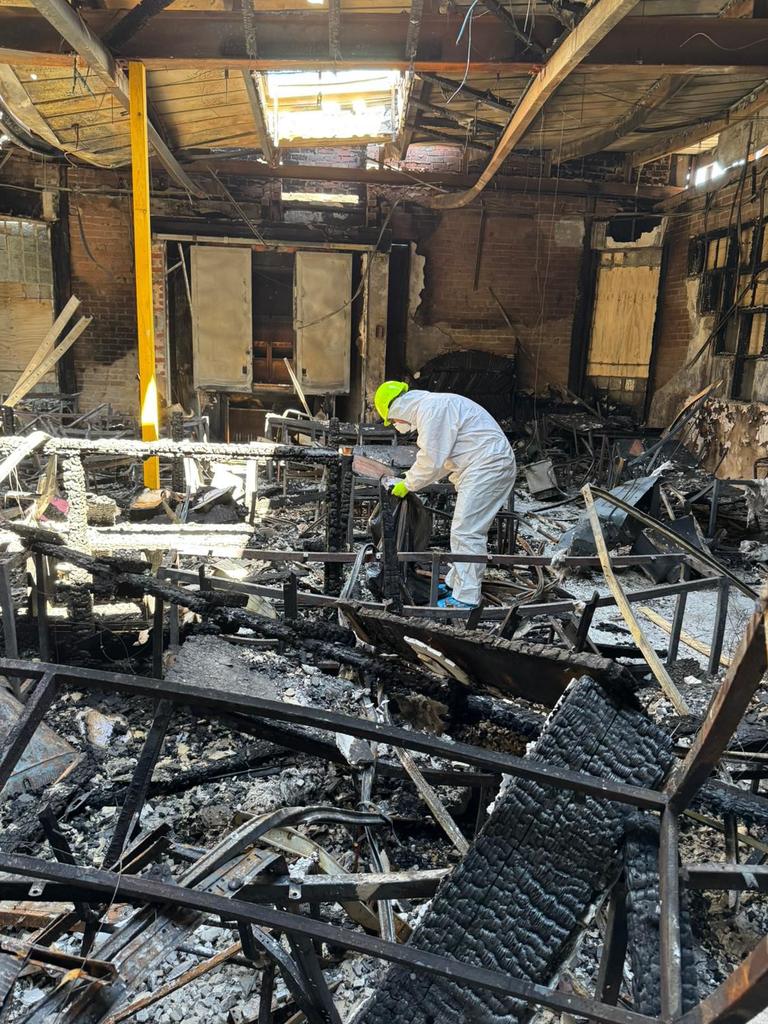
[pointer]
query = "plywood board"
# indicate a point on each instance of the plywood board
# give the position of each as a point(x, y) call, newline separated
point(323, 321)
point(222, 324)
point(23, 324)
point(622, 327)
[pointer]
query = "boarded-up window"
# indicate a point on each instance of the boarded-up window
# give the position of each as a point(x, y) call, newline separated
point(625, 311)
point(26, 298)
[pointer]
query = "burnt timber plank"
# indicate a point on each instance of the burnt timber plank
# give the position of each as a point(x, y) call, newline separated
point(536, 672)
point(518, 900)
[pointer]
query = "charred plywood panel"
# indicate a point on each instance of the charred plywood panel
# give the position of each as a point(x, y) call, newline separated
point(323, 321)
point(625, 312)
point(222, 323)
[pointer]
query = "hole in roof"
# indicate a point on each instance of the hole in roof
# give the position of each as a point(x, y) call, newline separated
point(351, 104)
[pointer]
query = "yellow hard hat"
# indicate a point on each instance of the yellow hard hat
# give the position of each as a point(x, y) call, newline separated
point(385, 395)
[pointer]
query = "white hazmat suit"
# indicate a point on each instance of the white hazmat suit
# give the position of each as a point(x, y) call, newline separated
point(457, 436)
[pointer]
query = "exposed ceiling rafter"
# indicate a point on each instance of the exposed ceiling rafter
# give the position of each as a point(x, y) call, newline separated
point(462, 119)
point(253, 91)
point(662, 90)
point(71, 27)
point(486, 98)
point(747, 107)
point(457, 140)
point(603, 16)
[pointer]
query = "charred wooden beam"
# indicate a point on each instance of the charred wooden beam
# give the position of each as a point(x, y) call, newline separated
point(463, 119)
point(486, 98)
point(458, 140)
point(133, 21)
point(507, 18)
point(644, 923)
point(414, 30)
point(334, 30)
point(195, 39)
point(507, 904)
point(250, 31)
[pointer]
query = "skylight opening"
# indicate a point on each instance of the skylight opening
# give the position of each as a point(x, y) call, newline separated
point(351, 104)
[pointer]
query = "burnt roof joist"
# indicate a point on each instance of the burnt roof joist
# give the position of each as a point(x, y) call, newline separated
point(198, 39)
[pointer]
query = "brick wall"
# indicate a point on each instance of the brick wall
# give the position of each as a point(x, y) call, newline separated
point(530, 259)
point(101, 247)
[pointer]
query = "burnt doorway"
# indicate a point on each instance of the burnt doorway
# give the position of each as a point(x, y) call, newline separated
point(274, 337)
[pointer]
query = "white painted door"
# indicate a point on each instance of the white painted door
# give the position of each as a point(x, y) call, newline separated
point(222, 324)
point(323, 321)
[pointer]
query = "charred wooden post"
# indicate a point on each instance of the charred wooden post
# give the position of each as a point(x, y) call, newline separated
point(391, 580)
point(73, 480)
point(176, 422)
point(339, 480)
point(158, 636)
point(8, 610)
point(41, 607)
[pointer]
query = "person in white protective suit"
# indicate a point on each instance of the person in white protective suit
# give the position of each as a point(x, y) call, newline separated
point(458, 438)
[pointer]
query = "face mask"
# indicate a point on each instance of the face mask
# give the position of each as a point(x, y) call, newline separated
point(403, 428)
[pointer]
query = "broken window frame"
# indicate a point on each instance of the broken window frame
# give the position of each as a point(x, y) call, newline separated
point(751, 300)
point(717, 283)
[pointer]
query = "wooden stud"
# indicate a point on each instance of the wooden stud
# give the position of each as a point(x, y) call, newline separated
point(661, 674)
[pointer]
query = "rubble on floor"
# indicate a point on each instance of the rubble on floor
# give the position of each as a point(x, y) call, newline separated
point(253, 774)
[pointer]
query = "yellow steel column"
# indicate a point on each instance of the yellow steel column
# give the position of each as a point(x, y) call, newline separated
point(142, 244)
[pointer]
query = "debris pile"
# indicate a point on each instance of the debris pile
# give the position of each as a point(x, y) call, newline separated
point(252, 772)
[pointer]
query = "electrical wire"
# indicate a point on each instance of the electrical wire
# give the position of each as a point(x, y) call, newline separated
point(730, 49)
point(467, 18)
